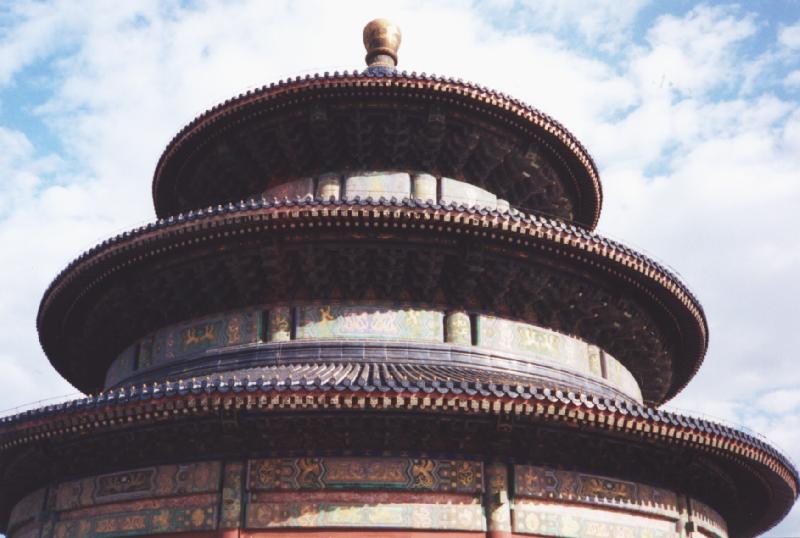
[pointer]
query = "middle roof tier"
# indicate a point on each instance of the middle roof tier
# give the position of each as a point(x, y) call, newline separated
point(519, 267)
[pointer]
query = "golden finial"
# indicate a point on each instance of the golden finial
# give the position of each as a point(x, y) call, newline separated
point(381, 39)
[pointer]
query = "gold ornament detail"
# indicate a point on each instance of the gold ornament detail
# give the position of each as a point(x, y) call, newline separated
point(382, 39)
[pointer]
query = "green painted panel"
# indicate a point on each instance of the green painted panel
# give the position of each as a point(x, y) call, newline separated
point(369, 322)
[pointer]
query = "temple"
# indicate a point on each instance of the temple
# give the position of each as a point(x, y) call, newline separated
point(373, 305)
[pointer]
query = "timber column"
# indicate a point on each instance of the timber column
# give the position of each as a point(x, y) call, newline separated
point(498, 507)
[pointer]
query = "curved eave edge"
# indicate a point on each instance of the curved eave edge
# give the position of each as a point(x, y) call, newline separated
point(126, 406)
point(457, 86)
point(538, 227)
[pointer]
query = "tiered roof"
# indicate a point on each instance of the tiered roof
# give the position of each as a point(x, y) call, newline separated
point(219, 245)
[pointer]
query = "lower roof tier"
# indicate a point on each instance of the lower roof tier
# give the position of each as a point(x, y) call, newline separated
point(632, 458)
point(523, 268)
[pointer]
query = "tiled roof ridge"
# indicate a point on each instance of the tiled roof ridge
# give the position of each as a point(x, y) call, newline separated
point(458, 86)
point(507, 397)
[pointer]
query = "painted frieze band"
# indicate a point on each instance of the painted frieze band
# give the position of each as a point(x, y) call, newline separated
point(362, 515)
point(387, 473)
point(571, 486)
point(143, 517)
point(552, 502)
point(550, 519)
point(368, 322)
point(380, 492)
point(160, 481)
point(145, 501)
point(412, 493)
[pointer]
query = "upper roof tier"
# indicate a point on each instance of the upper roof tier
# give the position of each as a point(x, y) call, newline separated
point(383, 119)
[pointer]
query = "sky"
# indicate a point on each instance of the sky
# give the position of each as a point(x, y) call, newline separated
point(691, 111)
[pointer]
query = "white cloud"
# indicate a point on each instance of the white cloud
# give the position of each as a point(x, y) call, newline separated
point(693, 54)
point(18, 172)
point(792, 79)
point(780, 401)
point(719, 212)
point(789, 36)
point(607, 23)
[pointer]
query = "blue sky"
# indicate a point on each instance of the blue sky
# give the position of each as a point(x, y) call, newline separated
point(691, 110)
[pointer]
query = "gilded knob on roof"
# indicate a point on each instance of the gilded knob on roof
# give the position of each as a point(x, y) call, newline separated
point(381, 39)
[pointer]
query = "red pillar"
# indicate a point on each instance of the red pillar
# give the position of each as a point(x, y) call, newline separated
point(498, 507)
